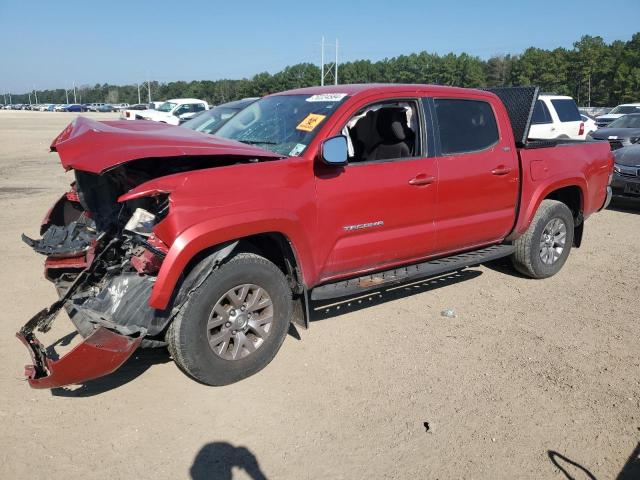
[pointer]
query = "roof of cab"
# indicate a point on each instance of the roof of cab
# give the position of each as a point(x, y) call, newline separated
point(358, 88)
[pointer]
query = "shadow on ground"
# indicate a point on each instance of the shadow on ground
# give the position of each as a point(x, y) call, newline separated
point(625, 205)
point(332, 308)
point(143, 359)
point(139, 363)
point(574, 471)
point(216, 460)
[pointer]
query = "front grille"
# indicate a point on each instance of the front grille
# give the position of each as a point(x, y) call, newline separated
point(615, 144)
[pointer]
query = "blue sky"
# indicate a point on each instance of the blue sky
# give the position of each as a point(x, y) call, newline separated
point(53, 43)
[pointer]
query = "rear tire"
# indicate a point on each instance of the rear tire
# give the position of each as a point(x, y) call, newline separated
point(543, 249)
point(234, 323)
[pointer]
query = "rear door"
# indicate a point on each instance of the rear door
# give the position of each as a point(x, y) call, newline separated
point(478, 173)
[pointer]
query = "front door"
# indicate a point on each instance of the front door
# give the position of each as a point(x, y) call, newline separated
point(379, 209)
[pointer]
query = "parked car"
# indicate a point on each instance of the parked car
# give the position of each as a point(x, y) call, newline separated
point(120, 106)
point(131, 112)
point(173, 111)
point(626, 172)
point(51, 107)
point(214, 244)
point(106, 108)
point(94, 107)
point(61, 107)
point(621, 132)
point(589, 123)
point(211, 120)
point(556, 116)
point(74, 108)
point(619, 111)
point(154, 105)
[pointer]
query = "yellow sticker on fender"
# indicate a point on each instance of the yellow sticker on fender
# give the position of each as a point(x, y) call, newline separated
point(310, 122)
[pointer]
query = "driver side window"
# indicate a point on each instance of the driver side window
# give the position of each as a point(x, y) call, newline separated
point(384, 131)
point(181, 109)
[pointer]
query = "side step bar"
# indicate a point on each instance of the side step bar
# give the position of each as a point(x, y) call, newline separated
point(376, 280)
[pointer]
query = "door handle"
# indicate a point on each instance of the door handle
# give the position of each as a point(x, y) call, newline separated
point(501, 170)
point(422, 179)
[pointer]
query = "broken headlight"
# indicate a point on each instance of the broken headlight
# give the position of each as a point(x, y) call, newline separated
point(141, 222)
point(147, 212)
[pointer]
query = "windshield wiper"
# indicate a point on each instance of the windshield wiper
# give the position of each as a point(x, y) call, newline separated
point(258, 142)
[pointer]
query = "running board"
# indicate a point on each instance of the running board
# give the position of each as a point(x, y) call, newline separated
point(377, 280)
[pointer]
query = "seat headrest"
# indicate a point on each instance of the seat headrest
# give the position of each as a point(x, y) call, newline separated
point(390, 124)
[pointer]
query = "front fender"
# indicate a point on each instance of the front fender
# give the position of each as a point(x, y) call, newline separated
point(210, 233)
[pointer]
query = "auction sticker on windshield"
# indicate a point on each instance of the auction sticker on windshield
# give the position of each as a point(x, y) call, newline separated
point(326, 97)
point(310, 122)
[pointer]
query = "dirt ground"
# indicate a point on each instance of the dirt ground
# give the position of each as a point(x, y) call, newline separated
point(530, 378)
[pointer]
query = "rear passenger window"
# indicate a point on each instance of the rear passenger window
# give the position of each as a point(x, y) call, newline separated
point(540, 114)
point(567, 110)
point(465, 125)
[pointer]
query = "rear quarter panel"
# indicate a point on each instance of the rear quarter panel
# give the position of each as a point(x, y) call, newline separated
point(586, 165)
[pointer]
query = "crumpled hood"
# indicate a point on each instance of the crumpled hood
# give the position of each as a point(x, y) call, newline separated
point(605, 133)
point(629, 156)
point(95, 147)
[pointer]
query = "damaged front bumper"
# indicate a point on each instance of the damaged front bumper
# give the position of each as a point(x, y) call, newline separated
point(99, 354)
point(119, 319)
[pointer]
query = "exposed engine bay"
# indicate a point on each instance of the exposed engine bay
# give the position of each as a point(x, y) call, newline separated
point(103, 258)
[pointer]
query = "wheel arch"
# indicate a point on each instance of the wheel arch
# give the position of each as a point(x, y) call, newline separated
point(570, 191)
point(281, 246)
point(573, 197)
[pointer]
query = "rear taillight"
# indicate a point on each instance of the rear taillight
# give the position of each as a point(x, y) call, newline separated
point(581, 131)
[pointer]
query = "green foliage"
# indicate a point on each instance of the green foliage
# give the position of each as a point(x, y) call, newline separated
point(593, 72)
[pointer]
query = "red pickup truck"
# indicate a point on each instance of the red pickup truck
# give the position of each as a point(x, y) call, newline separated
point(212, 245)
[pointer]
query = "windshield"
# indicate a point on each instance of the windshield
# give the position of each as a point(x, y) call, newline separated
point(166, 107)
point(284, 124)
point(625, 109)
point(211, 120)
point(628, 121)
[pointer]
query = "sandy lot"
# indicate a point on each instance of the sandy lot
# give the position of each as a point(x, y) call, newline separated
point(526, 369)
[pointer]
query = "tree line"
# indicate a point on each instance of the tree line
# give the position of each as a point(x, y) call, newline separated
point(593, 72)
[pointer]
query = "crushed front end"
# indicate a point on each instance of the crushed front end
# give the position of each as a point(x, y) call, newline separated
point(107, 238)
point(103, 257)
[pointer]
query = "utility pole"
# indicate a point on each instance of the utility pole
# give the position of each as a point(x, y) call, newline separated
point(336, 74)
point(66, 93)
point(149, 90)
point(331, 69)
point(35, 92)
point(29, 98)
point(589, 88)
point(74, 92)
point(139, 101)
point(322, 62)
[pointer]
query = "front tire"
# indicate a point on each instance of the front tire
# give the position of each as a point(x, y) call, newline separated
point(234, 323)
point(543, 249)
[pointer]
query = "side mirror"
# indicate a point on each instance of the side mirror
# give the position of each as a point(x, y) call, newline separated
point(334, 151)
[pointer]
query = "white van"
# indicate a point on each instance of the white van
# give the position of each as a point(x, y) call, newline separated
point(556, 116)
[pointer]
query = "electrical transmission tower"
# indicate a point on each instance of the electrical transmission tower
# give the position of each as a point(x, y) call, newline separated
point(328, 72)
